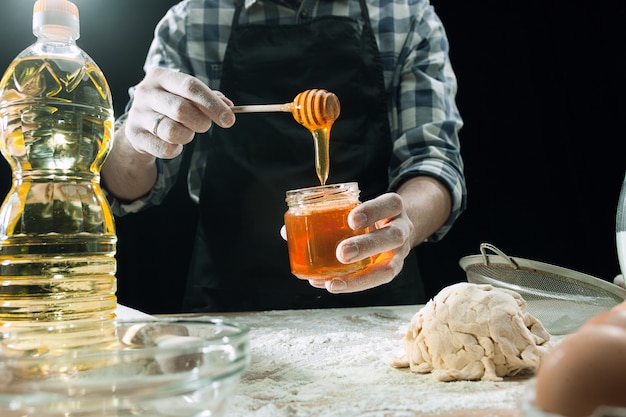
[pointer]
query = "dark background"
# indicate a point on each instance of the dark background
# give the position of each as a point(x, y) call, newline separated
point(541, 92)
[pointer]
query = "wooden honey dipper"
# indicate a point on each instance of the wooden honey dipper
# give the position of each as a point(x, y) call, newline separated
point(315, 109)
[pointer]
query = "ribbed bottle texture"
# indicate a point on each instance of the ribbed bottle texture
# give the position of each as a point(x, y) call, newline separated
point(57, 233)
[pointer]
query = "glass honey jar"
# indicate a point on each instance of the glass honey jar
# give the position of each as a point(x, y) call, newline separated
point(316, 221)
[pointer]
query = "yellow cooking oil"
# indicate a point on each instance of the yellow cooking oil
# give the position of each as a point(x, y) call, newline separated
point(57, 232)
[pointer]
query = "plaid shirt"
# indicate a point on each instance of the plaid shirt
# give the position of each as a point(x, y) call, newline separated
point(421, 85)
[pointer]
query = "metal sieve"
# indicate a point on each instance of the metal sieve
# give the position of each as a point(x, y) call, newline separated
point(562, 299)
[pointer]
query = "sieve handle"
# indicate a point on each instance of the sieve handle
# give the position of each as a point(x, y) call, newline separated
point(483, 251)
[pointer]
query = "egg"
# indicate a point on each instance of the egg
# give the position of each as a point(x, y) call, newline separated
point(611, 317)
point(620, 306)
point(585, 370)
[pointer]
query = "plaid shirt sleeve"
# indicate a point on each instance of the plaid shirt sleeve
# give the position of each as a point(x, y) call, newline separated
point(424, 118)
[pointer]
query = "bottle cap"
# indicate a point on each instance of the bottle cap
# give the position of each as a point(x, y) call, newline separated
point(56, 17)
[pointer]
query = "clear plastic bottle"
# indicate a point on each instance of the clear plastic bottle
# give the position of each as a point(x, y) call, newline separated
point(57, 233)
point(316, 221)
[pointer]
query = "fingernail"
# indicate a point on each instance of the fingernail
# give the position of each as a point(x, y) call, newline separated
point(226, 119)
point(338, 285)
point(349, 252)
point(358, 221)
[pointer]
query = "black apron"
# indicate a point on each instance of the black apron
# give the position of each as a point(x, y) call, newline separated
point(240, 262)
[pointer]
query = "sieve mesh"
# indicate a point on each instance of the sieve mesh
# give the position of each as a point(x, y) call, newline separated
point(539, 285)
point(560, 298)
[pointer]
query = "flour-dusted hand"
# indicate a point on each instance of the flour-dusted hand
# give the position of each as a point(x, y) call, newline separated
point(169, 108)
point(388, 242)
point(398, 222)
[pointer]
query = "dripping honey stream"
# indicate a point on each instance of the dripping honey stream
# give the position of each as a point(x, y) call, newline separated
point(316, 110)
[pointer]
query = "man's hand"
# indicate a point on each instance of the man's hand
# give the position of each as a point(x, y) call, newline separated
point(169, 108)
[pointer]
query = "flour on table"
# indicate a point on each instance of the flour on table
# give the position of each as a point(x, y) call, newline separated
point(472, 331)
point(336, 363)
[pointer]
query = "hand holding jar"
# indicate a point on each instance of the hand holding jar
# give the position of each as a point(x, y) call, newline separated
point(388, 243)
point(394, 224)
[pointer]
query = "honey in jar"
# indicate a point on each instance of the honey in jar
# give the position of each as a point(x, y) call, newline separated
point(316, 222)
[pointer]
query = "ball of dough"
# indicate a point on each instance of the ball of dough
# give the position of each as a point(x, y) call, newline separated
point(473, 331)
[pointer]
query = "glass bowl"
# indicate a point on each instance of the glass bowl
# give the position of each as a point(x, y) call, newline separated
point(156, 368)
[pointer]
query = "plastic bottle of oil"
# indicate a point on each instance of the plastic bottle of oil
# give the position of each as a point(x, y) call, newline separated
point(57, 233)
